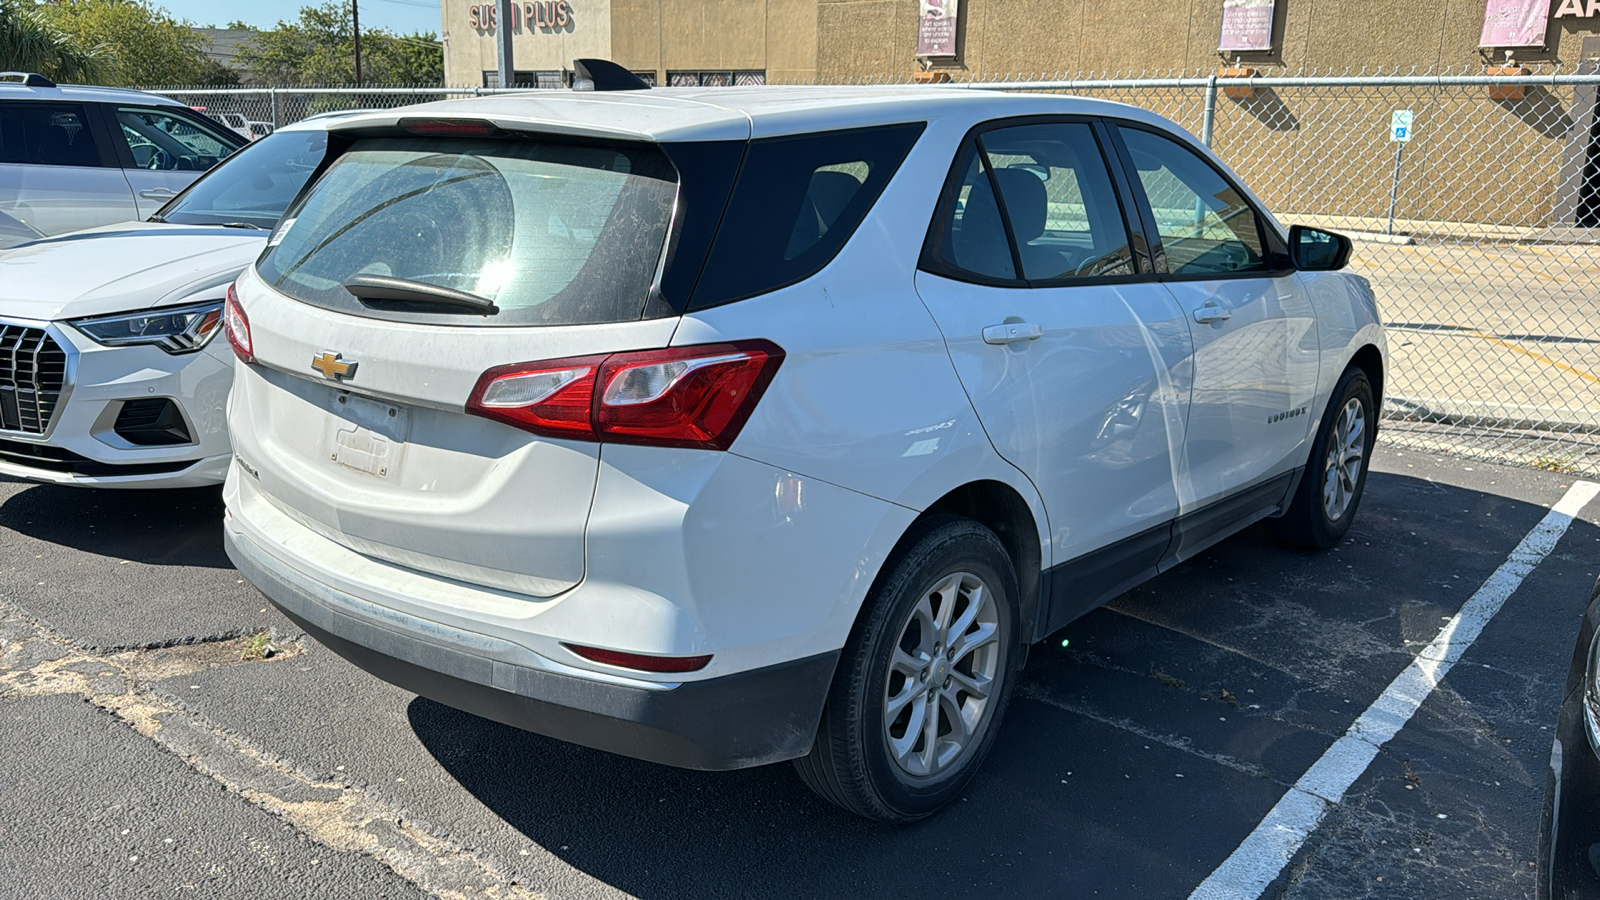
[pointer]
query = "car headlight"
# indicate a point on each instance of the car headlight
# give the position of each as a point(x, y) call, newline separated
point(180, 329)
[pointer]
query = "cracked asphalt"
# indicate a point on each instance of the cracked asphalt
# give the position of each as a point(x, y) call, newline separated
point(141, 755)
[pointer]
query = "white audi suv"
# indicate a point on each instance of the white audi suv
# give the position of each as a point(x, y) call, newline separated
point(108, 373)
point(725, 427)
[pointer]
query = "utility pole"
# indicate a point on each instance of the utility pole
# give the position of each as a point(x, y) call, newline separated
point(502, 40)
point(355, 21)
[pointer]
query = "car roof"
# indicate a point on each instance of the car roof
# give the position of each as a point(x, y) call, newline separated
point(733, 113)
point(13, 90)
point(320, 121)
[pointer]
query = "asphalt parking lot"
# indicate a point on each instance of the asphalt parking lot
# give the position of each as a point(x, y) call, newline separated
point(142, 755)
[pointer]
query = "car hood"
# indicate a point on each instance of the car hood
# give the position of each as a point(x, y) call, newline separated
point(14, 231)
point(115, 268)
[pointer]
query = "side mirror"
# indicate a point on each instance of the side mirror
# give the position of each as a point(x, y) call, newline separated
point(1315, 250)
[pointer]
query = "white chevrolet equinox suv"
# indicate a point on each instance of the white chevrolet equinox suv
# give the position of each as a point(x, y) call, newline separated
point(723, 427)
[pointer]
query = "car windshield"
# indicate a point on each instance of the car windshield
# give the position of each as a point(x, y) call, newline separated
point(254, 186)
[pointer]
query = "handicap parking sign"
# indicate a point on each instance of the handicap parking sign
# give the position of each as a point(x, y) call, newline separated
point(1400, 126)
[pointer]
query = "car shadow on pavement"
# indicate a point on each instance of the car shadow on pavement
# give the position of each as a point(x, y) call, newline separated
point(1143, 743)
point(154, 527)
point(658, 832)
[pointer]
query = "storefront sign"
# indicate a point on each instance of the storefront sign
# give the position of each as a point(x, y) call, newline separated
point(936, 28)
point(1577, 9)
point(1246, 25)
point(1517, 23)
point(544, 14)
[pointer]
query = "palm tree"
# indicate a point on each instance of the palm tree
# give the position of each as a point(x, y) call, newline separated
point(30, 44)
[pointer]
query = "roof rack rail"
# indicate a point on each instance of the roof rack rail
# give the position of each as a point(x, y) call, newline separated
point(29, 79)
point(604, 75)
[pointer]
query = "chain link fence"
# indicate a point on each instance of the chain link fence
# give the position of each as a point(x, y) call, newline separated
point(1480, 232)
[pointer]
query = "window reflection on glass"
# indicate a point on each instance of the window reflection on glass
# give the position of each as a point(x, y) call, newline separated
point(1206, 226)
point(560, 232)
point(168, 142)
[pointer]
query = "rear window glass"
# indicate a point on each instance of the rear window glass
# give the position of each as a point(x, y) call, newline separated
point(795, 204)
point(553, 233)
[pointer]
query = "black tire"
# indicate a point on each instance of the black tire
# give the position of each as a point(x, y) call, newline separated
point(851, 762)
point(1308, 522)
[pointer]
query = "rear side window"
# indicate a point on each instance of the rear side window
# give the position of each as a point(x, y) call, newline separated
point(1033, 203)
point(553, 233)
point(46, 134)
point(795, 204)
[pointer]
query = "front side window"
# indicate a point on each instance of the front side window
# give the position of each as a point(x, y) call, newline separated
point(46, 134)
point(1036, 203)
point(796, 202)
point(552, 233)
point(167, 141)
point(1206, 226)
point(255, 186)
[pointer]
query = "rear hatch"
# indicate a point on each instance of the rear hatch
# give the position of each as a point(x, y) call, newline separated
point(468, 253)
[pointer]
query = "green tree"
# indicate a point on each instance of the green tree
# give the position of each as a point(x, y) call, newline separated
point(31, 43)
point(319, 48)
point(147, 47)
point(215, 74)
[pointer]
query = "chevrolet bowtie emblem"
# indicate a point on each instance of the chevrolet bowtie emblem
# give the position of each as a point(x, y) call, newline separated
point(331, 366)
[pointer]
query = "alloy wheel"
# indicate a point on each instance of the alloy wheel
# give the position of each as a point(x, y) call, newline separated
point(939, 689)
point(1347, 447)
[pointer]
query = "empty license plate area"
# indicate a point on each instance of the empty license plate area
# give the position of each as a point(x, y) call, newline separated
point(366, 435)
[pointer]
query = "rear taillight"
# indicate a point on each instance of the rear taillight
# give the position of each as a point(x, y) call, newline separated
point(678, 397)
point(237, 326)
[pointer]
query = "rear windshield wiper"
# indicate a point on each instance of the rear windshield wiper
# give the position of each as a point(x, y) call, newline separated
point(375, 289)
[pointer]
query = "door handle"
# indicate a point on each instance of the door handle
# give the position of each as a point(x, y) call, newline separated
point(158, 194)
point(1011, 332)
point(1211, 312)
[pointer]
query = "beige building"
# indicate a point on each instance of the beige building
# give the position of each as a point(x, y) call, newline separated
point(753, 41)
point(666, 41)
point(1530, 157)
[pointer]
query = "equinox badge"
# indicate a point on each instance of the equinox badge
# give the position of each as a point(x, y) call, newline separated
point(332, 367)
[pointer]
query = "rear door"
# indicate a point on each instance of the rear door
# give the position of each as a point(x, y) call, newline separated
point(1074, 356)
point(58, 173)
point(353, 423)
point(164, 149)
point(1255, 342)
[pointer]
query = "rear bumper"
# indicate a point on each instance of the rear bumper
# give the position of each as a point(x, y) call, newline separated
point(733, 721)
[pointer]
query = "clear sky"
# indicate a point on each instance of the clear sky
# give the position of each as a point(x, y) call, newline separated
point(394, 15)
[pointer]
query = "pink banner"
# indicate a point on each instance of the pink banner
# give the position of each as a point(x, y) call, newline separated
point(1246, 25)
point(936, 28)
point(1514, 23)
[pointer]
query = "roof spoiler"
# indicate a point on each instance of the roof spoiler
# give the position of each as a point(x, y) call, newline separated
point(30, 79)
point(604, 75)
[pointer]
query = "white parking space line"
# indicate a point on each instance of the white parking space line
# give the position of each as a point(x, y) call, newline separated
point(1268, 849)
